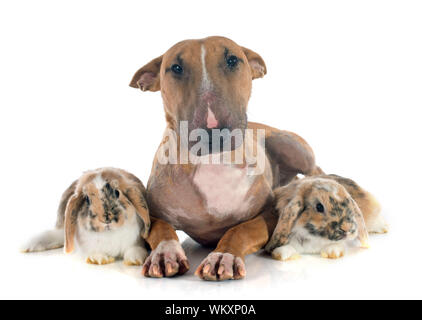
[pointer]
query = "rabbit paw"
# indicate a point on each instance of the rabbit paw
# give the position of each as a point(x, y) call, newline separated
point(135, 256)
point(167, 260)
point(100, 259)
point(379, 225)
point(285, 253)
point(221, 266)
point(334, 251)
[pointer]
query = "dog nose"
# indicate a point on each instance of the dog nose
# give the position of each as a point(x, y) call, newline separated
point(212, 122)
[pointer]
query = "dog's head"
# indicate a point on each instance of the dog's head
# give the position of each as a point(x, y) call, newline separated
point(206, 83)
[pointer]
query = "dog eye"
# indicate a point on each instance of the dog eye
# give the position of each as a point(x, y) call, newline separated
point(232, 62)
point(177, 69)
point(320, 208)
point(88, 201)
point(116, 193)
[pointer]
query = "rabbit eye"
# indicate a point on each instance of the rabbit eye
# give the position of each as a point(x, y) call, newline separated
point(88, 200)
point(116, 193)
point(320, 208)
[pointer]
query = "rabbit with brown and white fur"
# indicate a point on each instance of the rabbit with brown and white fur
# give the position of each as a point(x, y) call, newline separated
point(104, 215)
point(319, 214)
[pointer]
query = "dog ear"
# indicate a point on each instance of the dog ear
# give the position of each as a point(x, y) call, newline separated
point(70, 220)
point(148, 77)
point(290, 203)
point(256, 63)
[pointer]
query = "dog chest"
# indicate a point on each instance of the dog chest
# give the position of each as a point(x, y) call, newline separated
point(224, 188)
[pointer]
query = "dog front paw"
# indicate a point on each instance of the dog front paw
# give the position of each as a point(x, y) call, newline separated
point(221, 266)
point(135, 256)
point(285, 253)
point(167, 260)
point(100, 259)
point(334, 251)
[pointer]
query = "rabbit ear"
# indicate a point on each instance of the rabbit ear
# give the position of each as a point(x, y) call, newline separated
point(363, 235)
point(138, 201)
point(71, 215)
point(63, 203)
point(288, 215)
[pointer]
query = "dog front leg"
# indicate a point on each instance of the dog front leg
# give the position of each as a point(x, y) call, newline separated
point(167, 258)
point(226, 262)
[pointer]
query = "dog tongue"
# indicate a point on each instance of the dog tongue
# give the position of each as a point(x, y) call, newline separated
point(212, 122)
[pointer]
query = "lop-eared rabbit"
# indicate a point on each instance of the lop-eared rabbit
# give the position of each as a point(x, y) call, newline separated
point(104, 216)
point(319, 214)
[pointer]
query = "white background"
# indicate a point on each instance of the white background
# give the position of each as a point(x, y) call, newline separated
point(345, 75)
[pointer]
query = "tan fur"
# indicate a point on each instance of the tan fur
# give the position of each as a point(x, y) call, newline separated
point(70, 221)
point(248, 237)
point(369, 205)
point(173, 197)
point(63, 203)
point(295, 206)
point(160, 231)
point(132, 193)
point(150, 77)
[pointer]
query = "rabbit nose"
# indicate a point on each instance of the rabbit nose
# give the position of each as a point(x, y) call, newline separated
point(340, 234)
point(107, 219)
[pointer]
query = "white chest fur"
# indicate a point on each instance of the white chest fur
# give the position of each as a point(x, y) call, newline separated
point(113, 243)
point(224, 188)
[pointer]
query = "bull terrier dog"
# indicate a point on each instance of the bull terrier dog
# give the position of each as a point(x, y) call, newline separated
point(206, 85)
